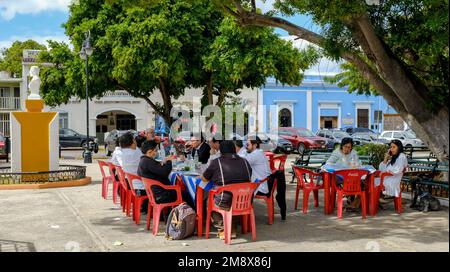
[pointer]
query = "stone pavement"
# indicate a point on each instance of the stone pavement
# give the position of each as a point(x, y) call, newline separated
point(78, 219)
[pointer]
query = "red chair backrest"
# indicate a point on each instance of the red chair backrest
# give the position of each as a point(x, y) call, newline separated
point(122, 178)
point(352, 179)
point(269, 156)
point(130, 178)
point(148, 183)
point(281, 161)
point(302, 173)
point(242, 195)
point(103, 164)
point(112, 169)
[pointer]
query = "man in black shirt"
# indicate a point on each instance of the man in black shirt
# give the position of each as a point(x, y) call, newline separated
point(152, 169)
point(234, 170)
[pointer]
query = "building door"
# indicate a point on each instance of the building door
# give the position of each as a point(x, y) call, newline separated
point(329, 124)
point(126, 122)
point(285, 119)
point(363, 118)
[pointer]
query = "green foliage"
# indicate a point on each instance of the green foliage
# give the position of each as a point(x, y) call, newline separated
point(376, 151)
point(168, 46)
point(11, 58)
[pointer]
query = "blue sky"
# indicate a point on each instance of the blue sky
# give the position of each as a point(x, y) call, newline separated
point(41, 20)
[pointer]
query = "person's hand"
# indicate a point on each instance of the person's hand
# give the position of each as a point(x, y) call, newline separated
point(387, 157)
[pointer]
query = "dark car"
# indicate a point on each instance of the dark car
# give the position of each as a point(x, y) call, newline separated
point(369, 138)
point(301, 139)
point(110, 140)
point(283, 145)
point(351, 130)
point(70, 138)
point(334, 137)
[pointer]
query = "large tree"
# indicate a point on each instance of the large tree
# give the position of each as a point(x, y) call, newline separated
point(399, 48)
point(11, 58)
point(164, 46)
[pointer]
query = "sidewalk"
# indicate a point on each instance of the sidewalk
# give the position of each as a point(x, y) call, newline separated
point(78, 219)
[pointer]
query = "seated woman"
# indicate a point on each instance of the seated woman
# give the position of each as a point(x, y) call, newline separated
point(152, 169)
point(395, 162)
point(346, 156)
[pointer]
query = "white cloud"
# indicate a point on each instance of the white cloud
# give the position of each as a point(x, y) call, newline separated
point(324, 67)
point(9, 8)
point(40, 39)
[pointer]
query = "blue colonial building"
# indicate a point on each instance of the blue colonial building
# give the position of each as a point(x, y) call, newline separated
point(316, 104)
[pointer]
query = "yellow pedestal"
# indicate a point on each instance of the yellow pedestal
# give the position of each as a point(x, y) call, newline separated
point(35, 136)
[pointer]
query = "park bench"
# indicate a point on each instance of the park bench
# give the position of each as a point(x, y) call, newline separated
point(427, 173)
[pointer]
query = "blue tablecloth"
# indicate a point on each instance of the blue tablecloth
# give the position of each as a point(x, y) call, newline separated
point(191, 183)
point(330, 168)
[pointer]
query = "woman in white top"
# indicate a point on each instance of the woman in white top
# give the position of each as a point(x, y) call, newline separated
point(395, 162)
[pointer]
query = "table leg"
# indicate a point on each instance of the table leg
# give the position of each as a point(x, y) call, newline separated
point(372, 196)
point(199, 206)
point(326, 195)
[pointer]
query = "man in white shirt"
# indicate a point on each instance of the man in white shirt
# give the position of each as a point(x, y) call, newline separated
point(259, 163)
point(129, 157)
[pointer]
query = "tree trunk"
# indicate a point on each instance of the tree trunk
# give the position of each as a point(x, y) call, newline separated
point(209, 90)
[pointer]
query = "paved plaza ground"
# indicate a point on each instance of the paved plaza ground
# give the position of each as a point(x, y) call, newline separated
point(78, 219)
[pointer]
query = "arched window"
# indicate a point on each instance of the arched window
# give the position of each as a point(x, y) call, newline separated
point(285, 118)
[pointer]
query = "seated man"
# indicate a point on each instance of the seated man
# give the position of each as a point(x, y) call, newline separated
point(152, 169)
point(129, 157)
point(214, 143)
point(258, 162)
point(201, 148)
point(228, 169)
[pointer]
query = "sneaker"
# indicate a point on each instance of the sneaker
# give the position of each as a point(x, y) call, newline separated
point(221, 234)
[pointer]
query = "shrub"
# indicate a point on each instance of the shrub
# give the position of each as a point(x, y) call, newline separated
point(375, 151)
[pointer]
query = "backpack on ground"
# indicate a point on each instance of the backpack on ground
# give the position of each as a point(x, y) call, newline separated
point(181, 222)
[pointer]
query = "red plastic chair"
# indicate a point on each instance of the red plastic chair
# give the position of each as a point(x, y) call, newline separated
point(106, 180)
point(269, 201)
point(351, 186)
point(155, 207)
point(277, 163)
point(126, 197)
point(307, 187)
point(241, 205)
point(137, 200)
point(379, 189)
point(270, 156)
point(116, 183)
point(179, 182)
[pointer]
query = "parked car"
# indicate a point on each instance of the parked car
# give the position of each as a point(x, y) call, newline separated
point(369, 138)
point(301, 138)
point(266, 145)
point(408, 140)
point(351, 130)
point(113, 135)
point(2, 144)
point(70, 138)
point(283, 145)
point(334, 137)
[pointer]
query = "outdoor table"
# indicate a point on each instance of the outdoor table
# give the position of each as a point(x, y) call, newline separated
point(328, 171)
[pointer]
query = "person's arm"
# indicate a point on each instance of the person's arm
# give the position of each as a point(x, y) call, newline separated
point(334, 158)
point(207, 175)
point(399, 165)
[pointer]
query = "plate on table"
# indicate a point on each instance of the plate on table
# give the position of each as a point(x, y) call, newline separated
point(189, 173)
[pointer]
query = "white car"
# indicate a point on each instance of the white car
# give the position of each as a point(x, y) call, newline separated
point(407, 139)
